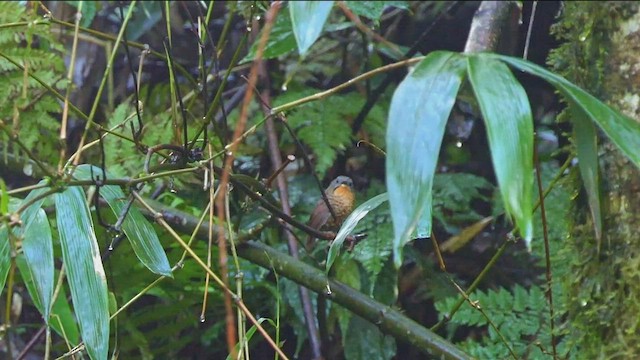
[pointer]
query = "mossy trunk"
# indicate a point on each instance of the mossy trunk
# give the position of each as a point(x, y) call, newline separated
point(601, 53)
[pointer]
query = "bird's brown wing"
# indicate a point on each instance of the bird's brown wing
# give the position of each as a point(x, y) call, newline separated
point(318, 219)
point(319, 216)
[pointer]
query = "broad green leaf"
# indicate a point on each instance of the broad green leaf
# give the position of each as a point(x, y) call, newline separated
point(307, 19)
point(30, 213)
point(142, 237)
point(37, 247)
point(281, 41)
point(586, 140)
point(622, 130)
point(61, 318)
point(350, 223)
point(507, 117)
point(419, 111)
point(85, 273)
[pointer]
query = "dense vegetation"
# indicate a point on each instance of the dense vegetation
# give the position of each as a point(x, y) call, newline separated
point(159, 160)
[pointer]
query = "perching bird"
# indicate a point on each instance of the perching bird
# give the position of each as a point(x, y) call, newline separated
point(340, 195)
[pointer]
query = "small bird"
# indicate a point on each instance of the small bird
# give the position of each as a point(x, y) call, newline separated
point(341, 197)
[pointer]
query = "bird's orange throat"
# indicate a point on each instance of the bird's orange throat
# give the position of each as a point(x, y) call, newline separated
point(345, 194)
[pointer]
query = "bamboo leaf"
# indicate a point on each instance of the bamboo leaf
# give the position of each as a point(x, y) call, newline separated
point(307, 19)
point(142, 237)
point(37, 247)
point(5, 255)
point(350, 223)
point(61, 318)
point(85, 273)
point(419, 111)
point(507, 116)
point(622, 130)
point(586, 140)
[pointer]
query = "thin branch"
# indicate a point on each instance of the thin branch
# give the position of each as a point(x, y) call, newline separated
point(224, 179)
point(324, 94)
point(160, 220)
point(276, 160)
point(547, 252)
point(389, 320)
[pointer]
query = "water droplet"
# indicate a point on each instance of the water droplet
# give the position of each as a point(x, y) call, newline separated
point(248, 28)
point(583, 38)
point(202, 318)
point(284, 87)
point(258, 17)
point(110, 247)
point(458, 144)
point(27, 169)
point(229, 153)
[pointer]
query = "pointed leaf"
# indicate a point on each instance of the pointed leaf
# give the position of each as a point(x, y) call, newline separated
point(4, 198)
point(307, 19)
point(5, 255)
point(281, 41)
point(85, 273)
point(350, 223)
point(61, 319)
point(37, 247)
point(622, 130)
point(142, 237)
point(507, 116)
point(419, 111)
point(586, 142)
point(30, 213)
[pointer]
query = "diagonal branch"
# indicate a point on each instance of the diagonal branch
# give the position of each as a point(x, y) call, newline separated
point(390, 321)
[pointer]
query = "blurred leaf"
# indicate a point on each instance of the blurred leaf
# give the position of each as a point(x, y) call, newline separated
point(453, 197)
point(85, 273)
point(5, 255)
point(249, 334)
point(4, 198)
point(350, 223)
point(61, 318)
point(622, 130)
point(307, 19)
point(586, 140)
point(324, 125)
point(507, 116)
point(37, 247)
point(419, 111)
point(139, 231)
point(373, 9)
point(363, 340)
point(281, 41)
point(346, 271)
point(89, 9)
point(456, 242)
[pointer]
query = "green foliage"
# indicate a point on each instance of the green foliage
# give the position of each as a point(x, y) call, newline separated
point(597, 295)
point(32, 110)
point(325, 125)
point(453, 197)
point(520, 316)
point(373, 9)
point(89, 9)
